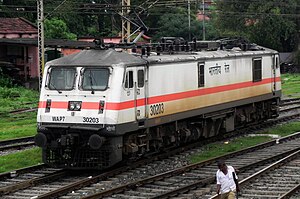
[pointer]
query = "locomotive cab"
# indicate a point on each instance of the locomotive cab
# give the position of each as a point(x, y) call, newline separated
point(79, 108)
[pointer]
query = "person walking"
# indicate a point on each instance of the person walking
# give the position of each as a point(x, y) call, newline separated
point(227, 184)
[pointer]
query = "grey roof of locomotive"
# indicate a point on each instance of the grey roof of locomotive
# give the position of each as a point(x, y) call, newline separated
point(208, 55)
point(111, 57)
point(107, 57)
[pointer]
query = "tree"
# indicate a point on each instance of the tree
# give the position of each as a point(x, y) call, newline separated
point(18, 8)
point(57, 29)
point(270, 23)
point(176, 24)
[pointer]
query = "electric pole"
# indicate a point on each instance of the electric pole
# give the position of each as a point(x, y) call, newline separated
point(203, 21)
point(40, 11)
point(125, 23)
point(189, 17)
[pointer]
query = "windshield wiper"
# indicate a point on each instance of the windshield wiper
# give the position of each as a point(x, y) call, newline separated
point(55, 88)
point(91, 81)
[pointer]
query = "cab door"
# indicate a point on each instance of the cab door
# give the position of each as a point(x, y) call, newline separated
point(140, 92)
point(275, 66)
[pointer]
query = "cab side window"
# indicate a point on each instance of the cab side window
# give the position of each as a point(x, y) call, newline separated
point(129, 79)
point(200, 74)
point(141, 78)
point(257, 69)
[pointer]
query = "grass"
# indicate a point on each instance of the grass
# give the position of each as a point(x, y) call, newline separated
point(214, 150)
point(19, 125)
point(17, 98)
point(21, 159)
point(284, 130)
point(290, 85)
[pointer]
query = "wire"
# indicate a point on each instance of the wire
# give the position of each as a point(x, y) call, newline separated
point(55, 9)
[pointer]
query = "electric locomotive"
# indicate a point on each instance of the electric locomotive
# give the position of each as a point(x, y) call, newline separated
point(101, 106)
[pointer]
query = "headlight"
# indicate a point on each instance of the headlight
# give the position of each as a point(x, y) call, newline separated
point(77, 106)
point(74, 106)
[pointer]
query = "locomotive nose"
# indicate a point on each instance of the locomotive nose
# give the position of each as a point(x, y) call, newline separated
point(40, 140)
point(95, 141)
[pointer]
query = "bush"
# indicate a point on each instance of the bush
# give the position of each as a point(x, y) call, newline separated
point(5, 81)
point(297, 58)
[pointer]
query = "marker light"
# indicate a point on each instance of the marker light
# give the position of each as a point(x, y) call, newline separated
point(48, 106)
point(101, 106)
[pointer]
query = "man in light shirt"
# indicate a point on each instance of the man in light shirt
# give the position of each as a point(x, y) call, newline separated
point(227, 183)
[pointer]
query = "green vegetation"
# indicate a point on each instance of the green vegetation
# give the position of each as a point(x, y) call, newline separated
point(17, 125)
point(57, 29)
point(284, 130)
point(20, 160)
point(20, 125)
point(270, 23)
point(290, 85)
point(214, 150)
point(14, 98)
point(17, 98)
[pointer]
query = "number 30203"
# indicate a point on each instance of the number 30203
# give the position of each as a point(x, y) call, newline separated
point(90, 120)
point(157, 109)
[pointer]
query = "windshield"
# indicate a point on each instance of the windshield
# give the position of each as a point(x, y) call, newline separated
point(95, 79)
point(62, 78)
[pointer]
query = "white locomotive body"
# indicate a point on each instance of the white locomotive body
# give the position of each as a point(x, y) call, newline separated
point(99, 107)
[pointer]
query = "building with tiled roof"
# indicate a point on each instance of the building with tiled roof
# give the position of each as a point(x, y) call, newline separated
point(17, 28)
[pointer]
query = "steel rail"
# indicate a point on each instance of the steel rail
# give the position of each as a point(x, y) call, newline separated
point(17, 172)
point(87, 182)
point(267, 169)
point(17, 140)
point(211, 180)
point(17, 143)
point(32, 182)
point(282, 110)
point(290, 192)
point(139, 183)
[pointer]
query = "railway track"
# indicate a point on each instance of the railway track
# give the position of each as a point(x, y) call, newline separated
point(26, 177)
point(33, 184)
point(142, 178)
point(197, 176)
point(9, 146)
point(24, 110)
point(279, 180)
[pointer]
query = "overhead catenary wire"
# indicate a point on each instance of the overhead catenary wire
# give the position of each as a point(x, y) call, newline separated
point(55, 8)
point(165, 3)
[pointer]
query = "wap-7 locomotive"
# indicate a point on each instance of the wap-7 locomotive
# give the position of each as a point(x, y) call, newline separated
point(99, 107)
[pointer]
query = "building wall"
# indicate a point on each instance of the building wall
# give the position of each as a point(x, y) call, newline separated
point(33, 62)
point(66, 51)
point(16, 35)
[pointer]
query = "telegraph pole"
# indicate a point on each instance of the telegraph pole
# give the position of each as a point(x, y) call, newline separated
point(125, 23)
point(40, 11)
